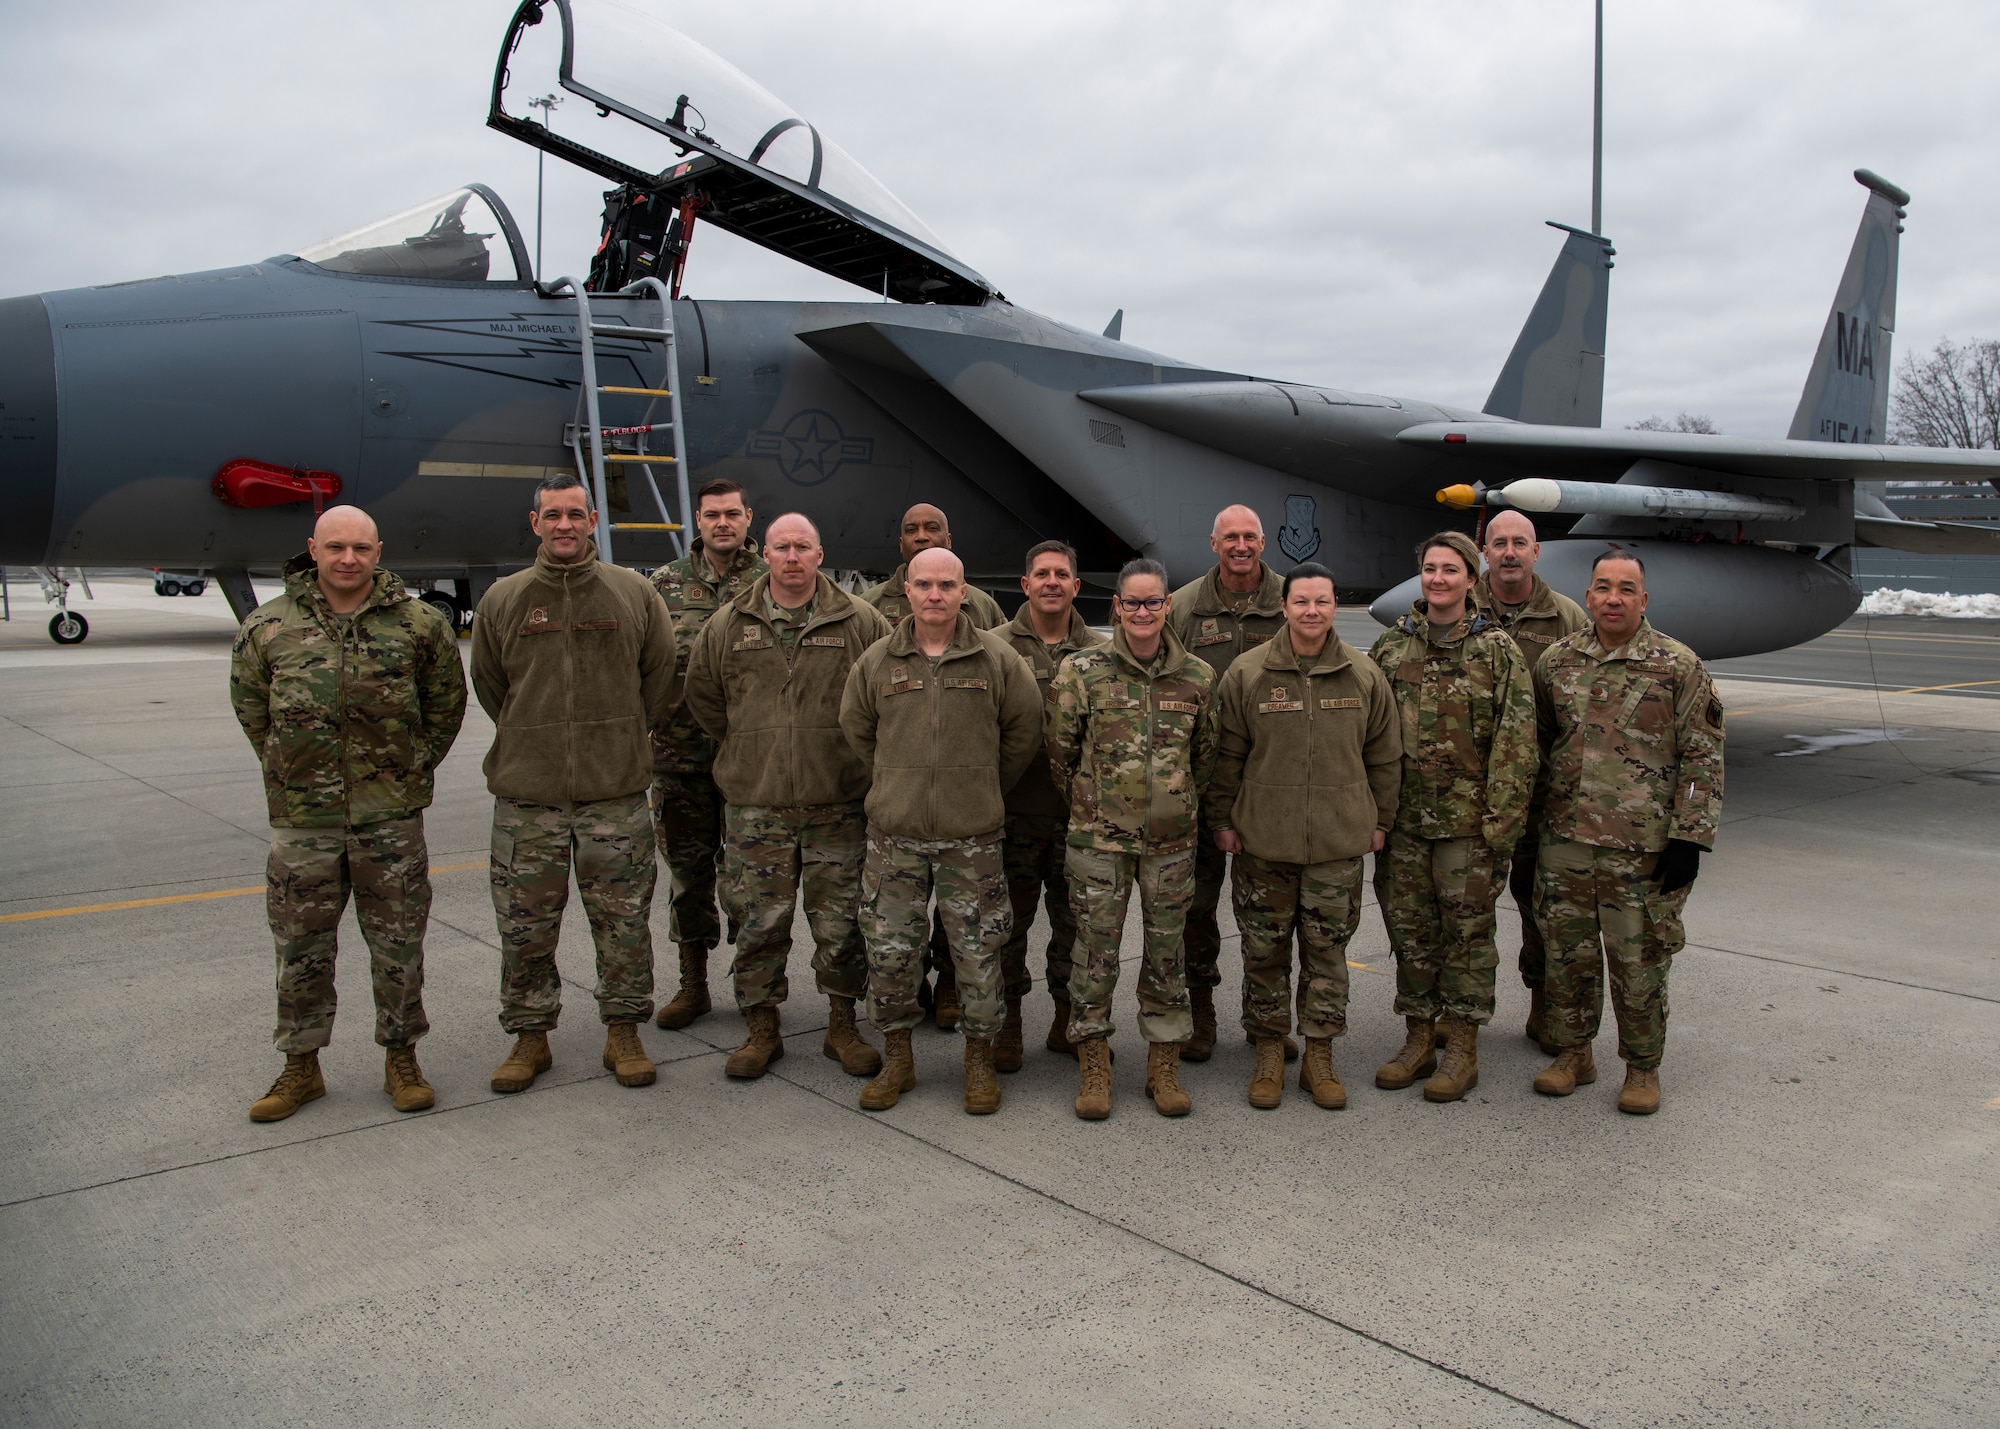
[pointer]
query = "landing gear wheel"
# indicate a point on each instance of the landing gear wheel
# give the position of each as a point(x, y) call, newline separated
point(444, 605)
point(169, 587)
point(68, 628)
point(159, 588)
point(194, 587)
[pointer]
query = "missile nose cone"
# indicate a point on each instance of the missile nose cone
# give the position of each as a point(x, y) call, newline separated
point(27, 431)
point(1534, 493)
point(1459, 498)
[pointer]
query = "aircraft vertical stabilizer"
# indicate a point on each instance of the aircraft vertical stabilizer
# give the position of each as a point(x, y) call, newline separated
point(1555, 374)
point(1847, 393)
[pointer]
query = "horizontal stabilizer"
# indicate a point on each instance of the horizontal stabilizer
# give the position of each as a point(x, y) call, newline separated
point(1555, 374)
point(1928, 538)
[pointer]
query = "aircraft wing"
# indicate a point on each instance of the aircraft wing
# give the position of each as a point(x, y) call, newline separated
point(1589, 452)
point(1929, 538)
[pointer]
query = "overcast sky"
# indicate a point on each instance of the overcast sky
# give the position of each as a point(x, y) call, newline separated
point(1329, 192)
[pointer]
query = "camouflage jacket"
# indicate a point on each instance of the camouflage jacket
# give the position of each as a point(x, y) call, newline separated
point(1633, 741)
point(1034, 794)
point(943, 742)
point(349, 715)
point(1546, 618)
point(776, 716)
point(1468, 715)
point(1310, 759)
point(889, 598)
point(692, 594)
point(1205, 619)
point(1132, 744)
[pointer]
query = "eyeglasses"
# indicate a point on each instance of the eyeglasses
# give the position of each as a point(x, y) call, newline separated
point(1149, 602)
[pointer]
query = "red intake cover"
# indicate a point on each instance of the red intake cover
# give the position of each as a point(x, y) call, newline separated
point(258, 483)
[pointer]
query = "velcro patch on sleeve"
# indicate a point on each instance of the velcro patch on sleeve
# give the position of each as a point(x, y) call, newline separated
point(961, 682)
point(834, 642)
point(1180, 706)
point(605, 624)
point(1343, 702)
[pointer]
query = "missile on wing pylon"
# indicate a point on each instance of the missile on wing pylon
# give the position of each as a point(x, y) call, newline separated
point(1590, 498)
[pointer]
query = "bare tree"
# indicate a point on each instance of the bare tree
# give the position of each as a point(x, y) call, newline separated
point(1696, 422)
point(1950, 398)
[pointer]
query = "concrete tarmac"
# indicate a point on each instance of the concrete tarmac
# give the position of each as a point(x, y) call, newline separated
point(1808, 1232)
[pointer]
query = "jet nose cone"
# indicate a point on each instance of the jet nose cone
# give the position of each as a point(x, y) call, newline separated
point(27, 431)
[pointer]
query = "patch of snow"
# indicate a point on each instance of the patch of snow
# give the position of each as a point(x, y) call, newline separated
point(1918, 602)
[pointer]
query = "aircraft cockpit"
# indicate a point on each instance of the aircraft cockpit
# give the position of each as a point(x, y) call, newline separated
point(465, 236)
point(687, 135)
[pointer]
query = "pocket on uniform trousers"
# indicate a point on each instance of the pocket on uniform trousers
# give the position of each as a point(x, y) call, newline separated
point(503, 849)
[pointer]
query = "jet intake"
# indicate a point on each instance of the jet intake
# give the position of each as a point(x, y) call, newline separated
point(1541, 493)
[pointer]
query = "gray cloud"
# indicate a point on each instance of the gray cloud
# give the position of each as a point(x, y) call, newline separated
point(1332, 192)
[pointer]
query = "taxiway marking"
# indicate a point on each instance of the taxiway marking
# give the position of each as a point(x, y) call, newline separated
point(182, 898)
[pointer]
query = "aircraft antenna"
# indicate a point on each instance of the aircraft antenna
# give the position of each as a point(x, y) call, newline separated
point(1597, 132)
point(550, 101)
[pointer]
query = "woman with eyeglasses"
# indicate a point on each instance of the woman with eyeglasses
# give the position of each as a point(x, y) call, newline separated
point(1131, 737)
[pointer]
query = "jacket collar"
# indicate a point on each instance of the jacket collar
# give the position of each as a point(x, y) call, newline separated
point(569, 572)
point(1338, 654)
point(1418, 623)
point(964, 639)
point(302, 584)
point(1172, 654)
point(1541, 603)
point(1645, 642)
point(829, 601)
point(698, 566)
point(1269, 600)
point(1076, 639)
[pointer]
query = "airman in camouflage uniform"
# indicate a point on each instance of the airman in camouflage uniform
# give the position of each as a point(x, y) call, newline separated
point(1469, 763)
point(720, 565)
point(351, 693)
point(924, 528)
point(765, 681)
point(574, 660)
point(1037, 812)
point(947, 717)
point(1131, 740)
point(1634, 734)
point(1229, 612)
point(1536, 616)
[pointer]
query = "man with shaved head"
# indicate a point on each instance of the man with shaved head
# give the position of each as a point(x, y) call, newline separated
point(925, 528)
point(946, 716)
point(1522, 604)
point(765, 681)
point(1218, 619)
point(351, 692)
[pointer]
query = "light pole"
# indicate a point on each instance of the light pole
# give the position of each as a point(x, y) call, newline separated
point(1597, 132)
point(550, 101)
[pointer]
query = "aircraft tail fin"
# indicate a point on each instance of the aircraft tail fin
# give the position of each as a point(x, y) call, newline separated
point(1846, 398)
point(1555, 374)
point(1115, 329)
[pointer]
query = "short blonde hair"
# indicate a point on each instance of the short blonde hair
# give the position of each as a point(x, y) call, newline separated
point(1457, 541)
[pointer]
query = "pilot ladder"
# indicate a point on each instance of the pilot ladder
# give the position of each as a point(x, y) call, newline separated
point(596, 445)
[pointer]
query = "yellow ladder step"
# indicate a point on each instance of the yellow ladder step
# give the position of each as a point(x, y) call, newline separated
point(645, 526)
point(639, 456)
point(638, 391)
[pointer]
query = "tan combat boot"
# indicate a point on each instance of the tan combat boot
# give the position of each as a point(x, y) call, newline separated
point(1291, 1047)
point(1163, 1079)
point(529, 1059)
point(1007, 1046)
point(1573, 1067)
point(898, 1074)
point(1317, 1077)
point(1458, 1070)
point(982, 1088)
point(1201, 1046)
point(761, 1048)
point(1093, 1061)
point(625, 1058)
point(945, 1008)
point(404, 1080)
point(1538, 1022)
point(692, 999)
point(1058, 1038)
point(1640, 1096)
point(844, 1044)
point(1267, 1083)
point(298, 1084)
point(1417, 1059)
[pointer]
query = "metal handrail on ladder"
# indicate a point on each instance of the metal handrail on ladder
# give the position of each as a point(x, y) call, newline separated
point(591, 426)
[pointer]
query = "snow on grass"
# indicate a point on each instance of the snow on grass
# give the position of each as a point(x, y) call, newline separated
point(1918, 602)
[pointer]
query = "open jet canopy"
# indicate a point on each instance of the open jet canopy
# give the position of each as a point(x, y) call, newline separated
point(661, 112)
point(465, 236)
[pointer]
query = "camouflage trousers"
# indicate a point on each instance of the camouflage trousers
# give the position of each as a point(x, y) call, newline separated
point(610, 843)
point(309, 876)
point(1598, 906)
point(1321, 903)
point(896, 885)
point(1035, 857)
point(1521, 883)
point(769, 855)
point(1203, 937)
point(1100, 889)
point(1437, 898)
point(687, 822)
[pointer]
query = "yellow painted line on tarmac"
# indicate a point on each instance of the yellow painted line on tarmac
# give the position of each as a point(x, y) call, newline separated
point(1363, 966)
point(1993, 1105)
point(1853, 695)
point(183, 898)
